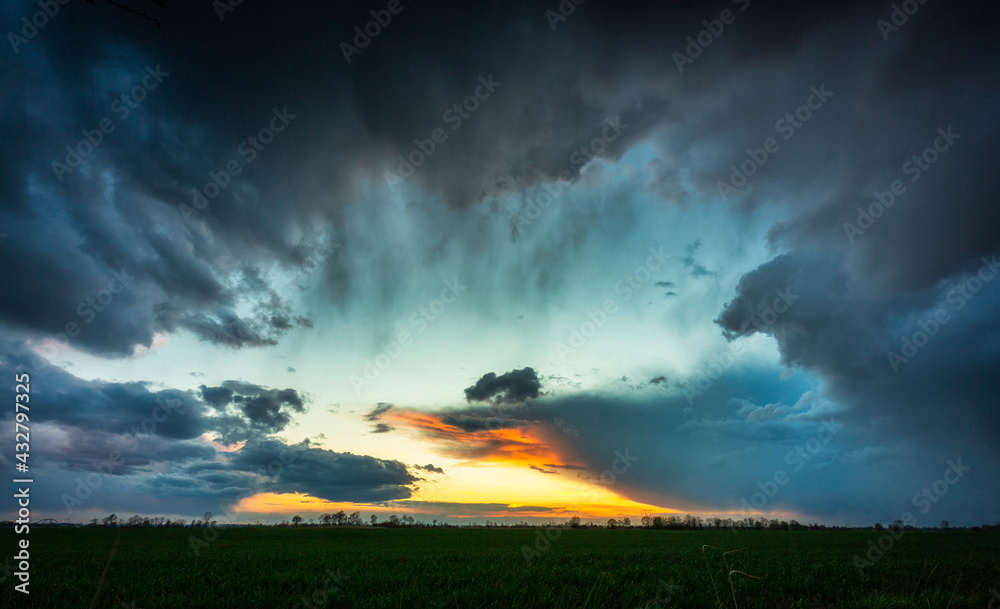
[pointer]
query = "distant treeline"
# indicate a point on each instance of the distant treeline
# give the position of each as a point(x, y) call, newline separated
point(355, 519)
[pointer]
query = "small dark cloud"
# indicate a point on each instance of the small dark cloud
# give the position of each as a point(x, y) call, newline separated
point(514, 387)
point(374, 415)
point(378, 411)
point(290, 369)
point(544, 471)
point(250, 409)
point(694, 269)
point(567, 466)
point(430, 468)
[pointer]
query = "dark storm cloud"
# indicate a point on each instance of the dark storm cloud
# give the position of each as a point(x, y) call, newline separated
point(151, 441)
point(119, 208)
point(711, 457)
point(271, 466)
point(254, 411)
point(514, 387)
point(836, 330)
point(326, 474)
point(109, 407)
point(479, 419)
point(860, 295)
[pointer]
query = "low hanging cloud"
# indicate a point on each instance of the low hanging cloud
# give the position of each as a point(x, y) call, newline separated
point(139, 437)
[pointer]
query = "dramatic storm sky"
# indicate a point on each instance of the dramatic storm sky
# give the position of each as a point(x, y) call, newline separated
point(522, 261)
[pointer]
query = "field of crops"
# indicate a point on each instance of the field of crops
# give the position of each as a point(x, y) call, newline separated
point(467, 568)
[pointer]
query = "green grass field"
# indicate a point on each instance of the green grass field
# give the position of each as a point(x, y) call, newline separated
point(465, 568)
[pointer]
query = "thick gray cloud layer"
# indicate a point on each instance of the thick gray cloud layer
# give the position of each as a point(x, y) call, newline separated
point(149, 440)
point(103, 252)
